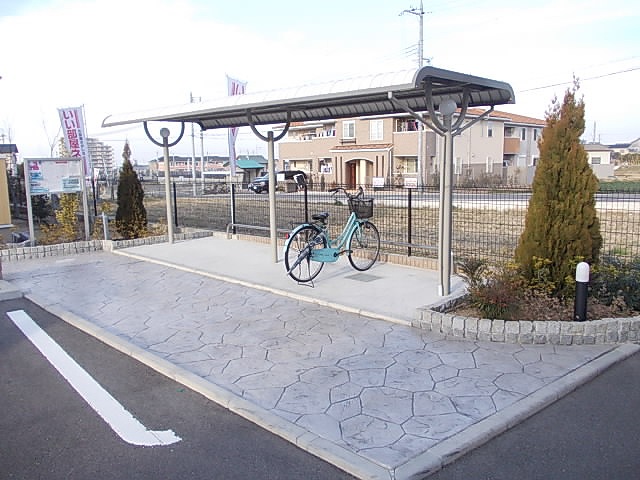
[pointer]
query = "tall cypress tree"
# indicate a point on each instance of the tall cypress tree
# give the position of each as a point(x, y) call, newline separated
point(561, 223)
point(131, 216)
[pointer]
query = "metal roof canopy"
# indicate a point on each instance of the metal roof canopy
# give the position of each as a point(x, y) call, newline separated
point(360, 96)
point(409, 91)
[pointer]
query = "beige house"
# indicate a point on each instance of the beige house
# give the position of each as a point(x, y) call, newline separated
point(600, 159)
point(384, 150)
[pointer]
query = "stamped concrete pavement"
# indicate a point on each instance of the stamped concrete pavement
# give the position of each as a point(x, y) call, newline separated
point(379, 399)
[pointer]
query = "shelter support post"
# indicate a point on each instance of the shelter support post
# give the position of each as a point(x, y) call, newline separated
point(271, 141)
point(447, 129)
point(164, 133)
point(273, 230)
point(167, 183)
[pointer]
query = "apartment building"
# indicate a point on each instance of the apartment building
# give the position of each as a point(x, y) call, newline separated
point(102, 158)
point(384, 150)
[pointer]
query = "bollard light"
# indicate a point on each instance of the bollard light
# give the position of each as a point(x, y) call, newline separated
point(582, 288)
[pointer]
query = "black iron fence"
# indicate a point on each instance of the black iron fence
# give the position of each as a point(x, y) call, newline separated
point(487, 222)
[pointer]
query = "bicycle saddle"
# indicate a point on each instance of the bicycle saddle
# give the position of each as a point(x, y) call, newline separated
point(322, 216)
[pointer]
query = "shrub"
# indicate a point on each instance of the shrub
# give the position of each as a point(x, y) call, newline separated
point(66, 228)
point(614, 280)
point(495, 293)
point(131, 216)
point(561, 222)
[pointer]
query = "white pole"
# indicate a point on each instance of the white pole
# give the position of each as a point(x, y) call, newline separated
point(167, 182)
point(27, 188)
point(273, 231)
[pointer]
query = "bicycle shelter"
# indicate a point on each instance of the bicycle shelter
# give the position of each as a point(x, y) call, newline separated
point(439, 92)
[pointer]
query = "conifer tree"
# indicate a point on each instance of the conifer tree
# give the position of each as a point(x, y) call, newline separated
point(131, 216)
point(561, 223)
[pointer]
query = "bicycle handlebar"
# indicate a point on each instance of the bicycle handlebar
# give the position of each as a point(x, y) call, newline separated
point(349, 195)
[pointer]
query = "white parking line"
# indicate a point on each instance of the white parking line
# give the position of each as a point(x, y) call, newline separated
point(111, 411)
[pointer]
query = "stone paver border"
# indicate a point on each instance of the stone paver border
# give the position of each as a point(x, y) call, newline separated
point(591, 332)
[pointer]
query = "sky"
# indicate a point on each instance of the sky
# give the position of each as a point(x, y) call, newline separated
point(119, 56)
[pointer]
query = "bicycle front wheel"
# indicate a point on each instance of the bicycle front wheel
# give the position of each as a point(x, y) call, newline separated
point(297, 255)
point(364, 246)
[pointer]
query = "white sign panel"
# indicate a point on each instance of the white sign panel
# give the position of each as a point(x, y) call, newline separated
point(61, 175)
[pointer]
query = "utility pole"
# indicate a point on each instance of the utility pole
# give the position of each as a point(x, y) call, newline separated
point(192, 99)
point(419, 12)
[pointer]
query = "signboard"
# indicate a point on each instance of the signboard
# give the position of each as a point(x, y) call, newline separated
point(54, 175)
point(410, 182)
point(378, 182)
point(61, 175)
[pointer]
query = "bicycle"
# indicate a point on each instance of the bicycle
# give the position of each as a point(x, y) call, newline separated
point(309, 246)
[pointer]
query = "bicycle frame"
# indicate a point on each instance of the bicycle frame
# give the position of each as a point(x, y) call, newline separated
point(335, 246)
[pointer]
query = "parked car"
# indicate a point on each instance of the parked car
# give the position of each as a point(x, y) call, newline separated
point(261, 184)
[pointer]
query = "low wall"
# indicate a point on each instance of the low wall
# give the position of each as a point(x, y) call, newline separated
point(74, 248)
point(591, 332)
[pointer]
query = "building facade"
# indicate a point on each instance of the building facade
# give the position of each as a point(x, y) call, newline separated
point(599, 157)
point(384, 150)
point(102, 159)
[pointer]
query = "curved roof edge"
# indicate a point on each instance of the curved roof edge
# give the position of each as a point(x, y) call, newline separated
point(359, 96)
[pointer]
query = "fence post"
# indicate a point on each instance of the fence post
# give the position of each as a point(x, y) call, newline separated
point(233, 208)
point(175, 205)
point(306, 204)
point(105, 225)
point(409, 221)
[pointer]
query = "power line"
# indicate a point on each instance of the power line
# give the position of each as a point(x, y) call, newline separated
point(610, 74)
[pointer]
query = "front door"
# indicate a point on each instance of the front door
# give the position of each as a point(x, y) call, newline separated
point(351, 175)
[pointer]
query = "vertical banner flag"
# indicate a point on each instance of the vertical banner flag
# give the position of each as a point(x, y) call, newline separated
point(75, 139)
point(236, 87)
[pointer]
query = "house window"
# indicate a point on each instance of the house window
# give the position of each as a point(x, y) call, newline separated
point(509, 131)
point(523, 134)
point(375, 130)
point(325, 166)
point(535, 134)
point(406, 125)
point(489, 130)
point(457, 166)
point(349, 129)
point(407, 164)
point(596, 160)
point(489, 165)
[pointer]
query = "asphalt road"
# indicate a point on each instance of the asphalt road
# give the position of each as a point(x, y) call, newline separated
point(50, 432)
point(591, 434)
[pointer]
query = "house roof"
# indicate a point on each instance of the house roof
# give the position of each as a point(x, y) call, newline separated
point(365, 95)
point(248, 163)
point(511, 117)
point(596, 147)
point(8, 148)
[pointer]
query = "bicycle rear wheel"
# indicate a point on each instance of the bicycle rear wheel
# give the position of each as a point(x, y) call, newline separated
point(364, 246)
point(297, 255)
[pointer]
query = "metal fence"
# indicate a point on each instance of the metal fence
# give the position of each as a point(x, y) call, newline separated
point(487, 223)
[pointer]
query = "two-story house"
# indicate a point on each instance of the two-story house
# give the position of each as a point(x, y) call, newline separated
point(384, 150)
